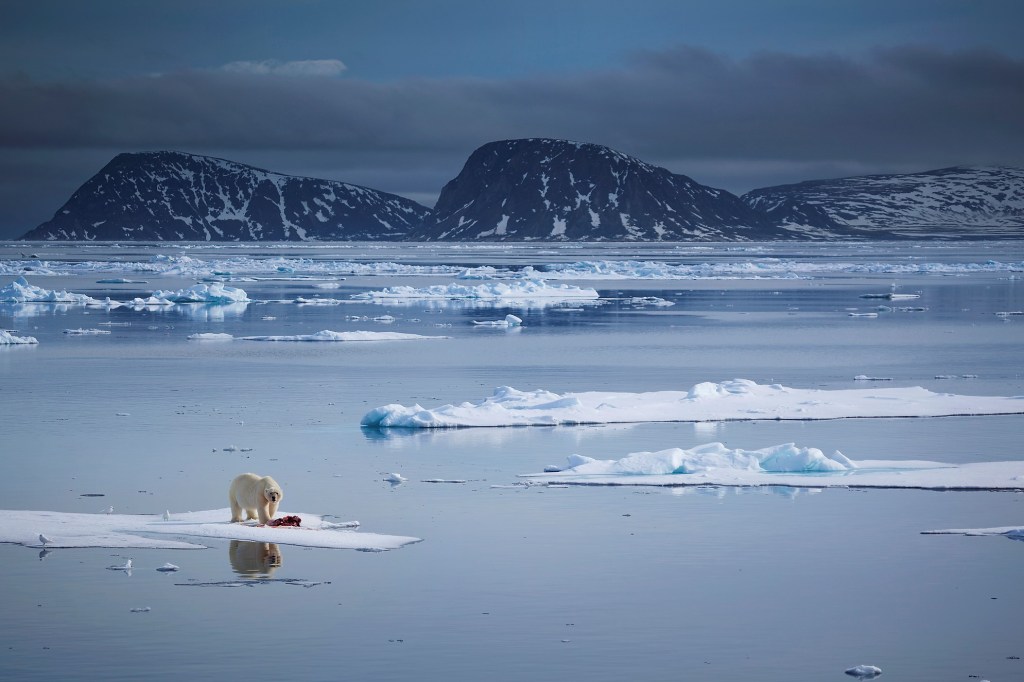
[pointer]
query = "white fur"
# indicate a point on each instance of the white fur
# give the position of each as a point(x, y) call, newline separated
point(257, 496)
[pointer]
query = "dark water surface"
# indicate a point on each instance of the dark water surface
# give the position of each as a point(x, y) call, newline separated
point(512, 583)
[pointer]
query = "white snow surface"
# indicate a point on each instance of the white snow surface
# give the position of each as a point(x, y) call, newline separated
point(782, 465)
point(65, 530)
point(736, 400)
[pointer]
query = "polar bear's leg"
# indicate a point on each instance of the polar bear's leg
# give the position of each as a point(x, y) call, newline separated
point(250, 514)
point(264, 516)
point(236, 511)
point(272, 508)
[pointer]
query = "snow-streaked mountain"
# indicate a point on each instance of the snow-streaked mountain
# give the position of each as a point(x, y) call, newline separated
point(965, 202)
point(184, 197)
point(556, 190)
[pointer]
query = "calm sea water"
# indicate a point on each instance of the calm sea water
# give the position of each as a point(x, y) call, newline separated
point(512, 583)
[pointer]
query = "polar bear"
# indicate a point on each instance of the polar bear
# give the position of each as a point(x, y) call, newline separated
point(257, 496)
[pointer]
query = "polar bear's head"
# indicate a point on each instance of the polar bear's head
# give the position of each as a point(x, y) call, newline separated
point(271, 490)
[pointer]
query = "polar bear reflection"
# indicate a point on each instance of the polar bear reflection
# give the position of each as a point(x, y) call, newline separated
point(254, 559)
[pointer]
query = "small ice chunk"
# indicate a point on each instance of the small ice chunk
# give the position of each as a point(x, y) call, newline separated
point(395, 478)
point(169, 568)
point(864, 672)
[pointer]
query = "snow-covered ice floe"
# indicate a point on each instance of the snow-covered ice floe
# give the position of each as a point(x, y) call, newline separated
point(63, 530)
point(509, 321)
point(328, 335)
point(20, 291)
point(210, 336)
point(204, 293)
point(9, 339)
point(781, 465)
point(736, 400)
point(86, 332)
point(515, 290)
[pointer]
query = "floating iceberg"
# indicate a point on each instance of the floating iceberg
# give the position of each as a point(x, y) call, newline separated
point(781, 465)
point(736, 400)
point(527, 289)
point(20, 291)
point(204, 293)
point(8, 339)
point(151, 531)
point(328, 335)
point(864, 672)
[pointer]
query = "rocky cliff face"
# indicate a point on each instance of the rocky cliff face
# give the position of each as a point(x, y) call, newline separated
point(184, 197)
point(554, 190)
point(968, 202)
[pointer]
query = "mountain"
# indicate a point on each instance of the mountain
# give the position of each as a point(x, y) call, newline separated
point(555, 190)
point(184, 197)
point(528, 190)
point(960, 202)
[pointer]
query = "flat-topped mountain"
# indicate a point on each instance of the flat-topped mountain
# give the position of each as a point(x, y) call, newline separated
point(555, 190)
point(184, 197)
point(967, 202)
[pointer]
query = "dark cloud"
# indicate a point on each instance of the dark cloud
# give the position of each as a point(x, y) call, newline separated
point(752, 121)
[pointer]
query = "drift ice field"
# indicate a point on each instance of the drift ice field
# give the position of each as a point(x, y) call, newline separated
point(659, 461)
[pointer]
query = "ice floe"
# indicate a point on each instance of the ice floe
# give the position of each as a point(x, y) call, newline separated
point(86, 332)
point(9, 339)
point(211, 336)
point(323, 335)
point(509, 321)
point(781, 465)
point(204, 293)
point(320, 301)
point(736, 400)
point(328, 335)
point(1012, 532)
point(760, 267)
point(766, 268)
point(65, 530)
point(20, 291)
point(864, 672)
point(516, 290)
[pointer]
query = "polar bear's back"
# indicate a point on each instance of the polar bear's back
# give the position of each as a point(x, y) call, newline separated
point(246, 490)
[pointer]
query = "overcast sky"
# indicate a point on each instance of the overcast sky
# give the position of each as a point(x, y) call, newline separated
point(395, 94)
